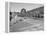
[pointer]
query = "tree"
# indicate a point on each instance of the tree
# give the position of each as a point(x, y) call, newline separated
point(23, 11)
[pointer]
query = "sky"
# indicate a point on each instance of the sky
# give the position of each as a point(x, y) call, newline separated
point(16, 7)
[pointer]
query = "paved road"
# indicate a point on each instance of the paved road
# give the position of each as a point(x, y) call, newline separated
point(27, 25)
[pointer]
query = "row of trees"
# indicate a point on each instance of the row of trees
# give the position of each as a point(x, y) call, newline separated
point(39, 13)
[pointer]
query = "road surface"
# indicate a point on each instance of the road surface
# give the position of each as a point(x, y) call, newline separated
point(28, 24)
